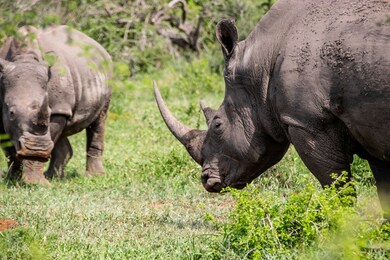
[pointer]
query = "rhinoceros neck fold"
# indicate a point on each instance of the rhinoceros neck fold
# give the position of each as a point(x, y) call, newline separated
point(261, 49)
point(253, 67)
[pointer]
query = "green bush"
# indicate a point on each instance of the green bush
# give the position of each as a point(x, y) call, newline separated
point(304, 224)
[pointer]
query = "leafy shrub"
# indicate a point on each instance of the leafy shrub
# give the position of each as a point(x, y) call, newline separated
point(310, 223)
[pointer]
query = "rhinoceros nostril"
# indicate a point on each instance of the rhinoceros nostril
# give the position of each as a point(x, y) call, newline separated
point(204, 177)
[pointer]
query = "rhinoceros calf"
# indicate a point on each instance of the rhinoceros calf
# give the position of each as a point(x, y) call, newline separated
point(53, 85)
point(312, 73)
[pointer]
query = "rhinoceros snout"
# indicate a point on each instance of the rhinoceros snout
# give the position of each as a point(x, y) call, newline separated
point(211, 183)
point(35, 146)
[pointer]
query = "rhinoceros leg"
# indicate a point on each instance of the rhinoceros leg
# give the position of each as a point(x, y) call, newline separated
point(30, 172)
point(323, 152)
point(95, 142)
point(57, 124)
point(14, 164)
point(33, 173)
point(60, 157)
point(381, 171)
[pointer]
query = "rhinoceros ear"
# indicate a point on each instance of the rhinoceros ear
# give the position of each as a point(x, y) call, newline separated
point(227, 36)
point(5, 66)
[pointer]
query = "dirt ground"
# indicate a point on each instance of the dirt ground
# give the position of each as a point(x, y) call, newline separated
point(7, 224)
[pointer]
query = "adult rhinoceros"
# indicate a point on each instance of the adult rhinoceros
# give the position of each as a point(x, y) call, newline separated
point(53, 84)
point(314, 73)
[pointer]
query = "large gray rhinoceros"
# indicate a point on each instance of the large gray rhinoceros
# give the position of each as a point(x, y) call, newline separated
point(53, 84)
point(313, 73)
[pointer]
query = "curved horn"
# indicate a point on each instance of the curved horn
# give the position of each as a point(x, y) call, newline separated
point(190, 138)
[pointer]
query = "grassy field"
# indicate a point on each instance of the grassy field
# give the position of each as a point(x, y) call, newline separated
point(150, 204)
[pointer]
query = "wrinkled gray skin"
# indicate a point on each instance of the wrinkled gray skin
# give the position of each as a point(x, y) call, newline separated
point(53, 84)
point(312, 73)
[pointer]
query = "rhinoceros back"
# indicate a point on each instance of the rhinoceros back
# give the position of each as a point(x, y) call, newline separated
point(80, 72)
point(337, 57)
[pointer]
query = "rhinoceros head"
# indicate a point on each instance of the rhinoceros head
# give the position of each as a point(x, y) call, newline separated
point(236, 148)
point(25, 107)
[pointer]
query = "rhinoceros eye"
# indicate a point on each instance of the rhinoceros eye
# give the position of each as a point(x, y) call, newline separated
point(11, 113)
point(218, 125)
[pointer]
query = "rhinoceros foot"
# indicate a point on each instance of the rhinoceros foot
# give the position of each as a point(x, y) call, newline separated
point(94, 166)
point(33, 173)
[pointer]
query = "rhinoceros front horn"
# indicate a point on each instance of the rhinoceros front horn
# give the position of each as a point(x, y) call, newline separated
point(192, 139)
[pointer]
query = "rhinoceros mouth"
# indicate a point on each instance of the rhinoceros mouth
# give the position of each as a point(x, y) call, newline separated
point(216, 185)
point(213, 185)
point(239, 185)
point(33, 158)
point(34, 155)
point(34, 147)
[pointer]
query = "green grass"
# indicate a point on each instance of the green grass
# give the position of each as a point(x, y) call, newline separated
point(151, 204)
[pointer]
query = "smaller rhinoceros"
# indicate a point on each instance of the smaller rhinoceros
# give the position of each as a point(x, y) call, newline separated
point(53, 84)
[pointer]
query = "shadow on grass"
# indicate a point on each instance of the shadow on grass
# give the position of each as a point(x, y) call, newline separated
point(70, 174)
point(10, 182)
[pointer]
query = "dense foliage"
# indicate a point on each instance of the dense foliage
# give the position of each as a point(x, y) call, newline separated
point(150, 204)
point(309, 224)
point(126, 28)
